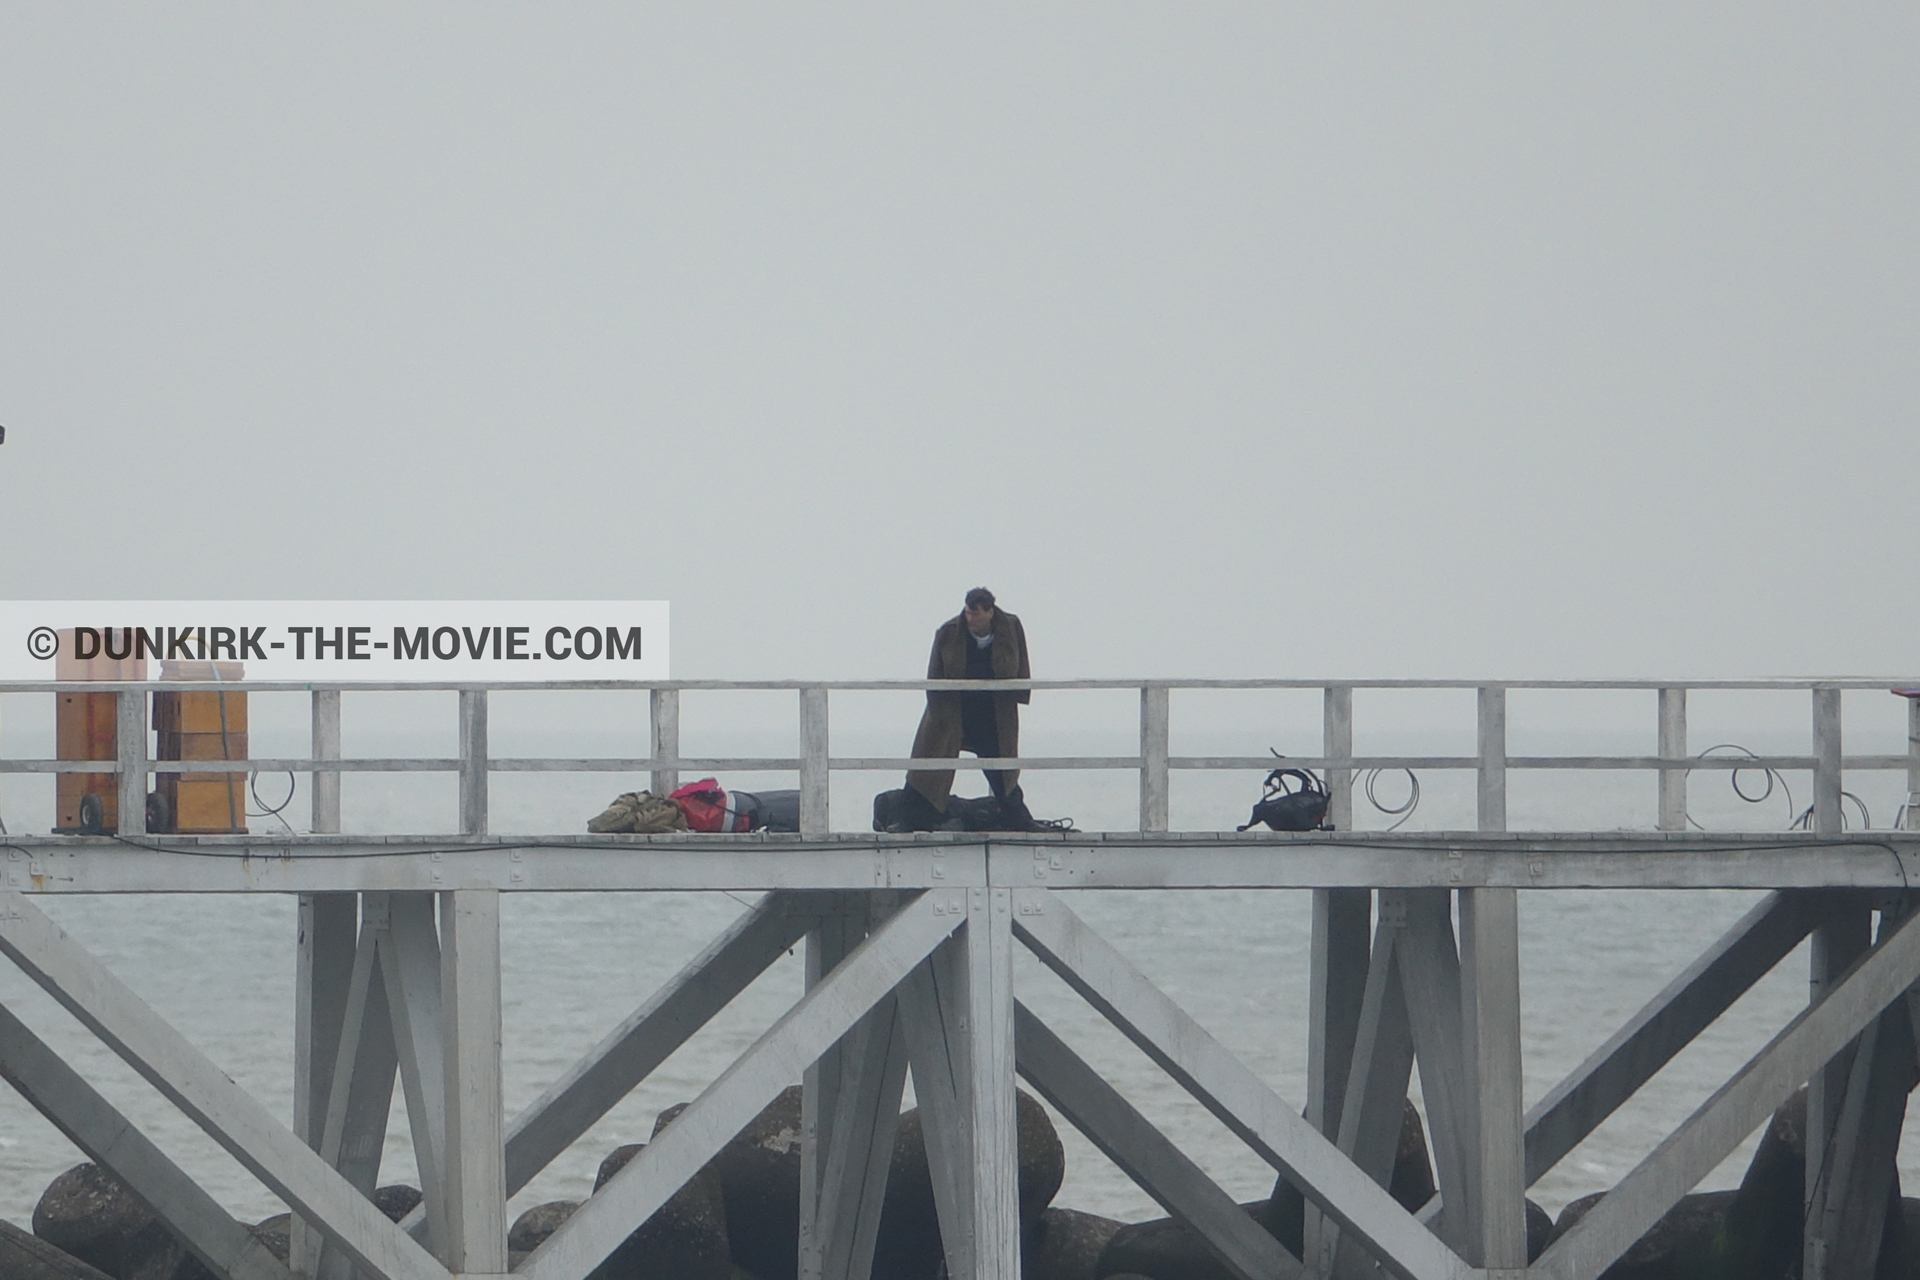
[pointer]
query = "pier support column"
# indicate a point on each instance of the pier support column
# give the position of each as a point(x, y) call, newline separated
point(1490, 1012)
point(990, 1119)
point(323, 975)
point(839, 931)
point(848, 1145)
point(1338, 977)
point(474, 1166)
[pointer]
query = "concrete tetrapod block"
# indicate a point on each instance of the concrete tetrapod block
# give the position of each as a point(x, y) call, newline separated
point(24, 1256)
point(759, 1171)
point(760, 1174)
point(1683, 1245)
point(909, 1246)
point(1163, 1249)
point(92, 1215)
point(531, 1229)
point(1066, 1244)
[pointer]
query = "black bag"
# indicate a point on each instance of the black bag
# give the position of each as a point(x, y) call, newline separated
point(769, 810)
point(1283, 808)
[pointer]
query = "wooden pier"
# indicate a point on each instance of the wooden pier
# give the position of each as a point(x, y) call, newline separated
point(909, 948)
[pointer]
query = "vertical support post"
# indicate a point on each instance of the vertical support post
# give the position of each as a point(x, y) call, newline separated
point(1336, 741)
point(989, 1031)
point(475, 1165)
point(1493, 759)
point(130, 740)
point(663, 711)
point(1490, 1008)
point(1673, 746)
point(1826, 761)
point(839, 931)
point(326, 746)
point(1837, 942)
point(1153, 757)
point(814, 795)
point(1913, 764)
point(1338, 988)
point(473, 762)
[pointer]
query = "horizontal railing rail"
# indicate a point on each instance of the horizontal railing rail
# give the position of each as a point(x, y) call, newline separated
point(1154, 762)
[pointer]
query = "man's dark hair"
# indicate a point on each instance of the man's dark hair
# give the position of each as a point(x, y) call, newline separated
point(979, 598)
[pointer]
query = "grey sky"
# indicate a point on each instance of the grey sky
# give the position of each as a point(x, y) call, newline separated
point(1507, 341)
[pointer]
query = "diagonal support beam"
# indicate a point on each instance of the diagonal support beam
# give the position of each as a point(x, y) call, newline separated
point(932, 1003)
point(1635, 1053)
point(1222, 1083)
point(851, 1112)
point(853, 1187)
point(328, 930)
point(1142, 1152)
point(93, 1124)
point(1376, 1088)
point(1692, 1151)
point(409, 946)
point(1851, 1197)
point(361, 1097)
point(1429, 963)
point(1857, 1172)
point(820, 1018)
point(833, 936)
point(185, 1077)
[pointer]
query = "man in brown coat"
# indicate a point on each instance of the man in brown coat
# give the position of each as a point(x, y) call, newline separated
point(984, 642)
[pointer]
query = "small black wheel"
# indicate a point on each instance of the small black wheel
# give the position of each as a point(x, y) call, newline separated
point(93, 815)
point(159, 813)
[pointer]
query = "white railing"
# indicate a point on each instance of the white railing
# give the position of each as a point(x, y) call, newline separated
point(1154, 763)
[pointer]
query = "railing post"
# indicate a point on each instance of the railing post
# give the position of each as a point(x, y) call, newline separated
point(326, 746)
point(130, 739)
point(663, 712)
point(1336, 742)
point(473, 762)
point(1826, 761)
point(813, 761)
point(1153, 757)
point(1493, 759)
point(1673, 746)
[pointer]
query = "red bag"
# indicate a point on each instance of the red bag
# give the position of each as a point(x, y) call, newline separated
point(707, 807)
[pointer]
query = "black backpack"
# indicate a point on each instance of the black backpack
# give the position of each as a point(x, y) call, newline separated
point(1283, 808)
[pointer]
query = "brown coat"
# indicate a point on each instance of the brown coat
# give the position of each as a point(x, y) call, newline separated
point(940, 727)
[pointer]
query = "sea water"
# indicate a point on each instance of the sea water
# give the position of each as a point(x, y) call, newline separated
point(220, 968)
